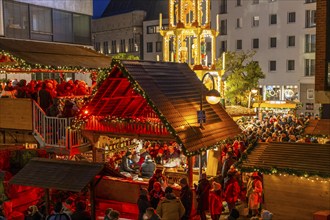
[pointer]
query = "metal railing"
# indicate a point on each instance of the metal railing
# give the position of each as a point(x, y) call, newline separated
point(55, 131)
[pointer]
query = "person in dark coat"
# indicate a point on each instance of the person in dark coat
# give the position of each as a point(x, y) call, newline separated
point(186, 197)
point(227, 163)
point(81, 213)
point(125, 163)
point(33, 213)
point(202, 196)
point(148, 167)
point(45, 97)
point(156, 194)
point(157, 177)
point(143, 202)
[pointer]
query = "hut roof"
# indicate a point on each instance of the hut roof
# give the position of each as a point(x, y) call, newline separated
point(173, 92)
point(318, 127)
point(293, 158)
point(54, 54)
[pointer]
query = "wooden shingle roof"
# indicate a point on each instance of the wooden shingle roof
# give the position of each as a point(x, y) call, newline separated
point(54, 54)
point(57, 174)
point(298, 158)
point(172, 91)
point(318, 127)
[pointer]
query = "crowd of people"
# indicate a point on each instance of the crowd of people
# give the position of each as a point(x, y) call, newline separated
point(50, 95)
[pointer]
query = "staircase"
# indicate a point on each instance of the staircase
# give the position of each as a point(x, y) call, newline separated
point(55, 132)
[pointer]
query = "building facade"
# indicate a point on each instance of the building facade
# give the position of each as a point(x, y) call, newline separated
point(283, 35)
point(65, 22)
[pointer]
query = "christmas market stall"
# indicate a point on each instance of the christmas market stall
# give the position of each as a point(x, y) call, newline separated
point(22, 119)
point(296, 178)
point(153, 101)
point(51, 175)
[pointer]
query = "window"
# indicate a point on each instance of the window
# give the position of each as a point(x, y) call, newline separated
point(223, 6)
point(239, 45)
point(131, 45)
point(310, 18)
point(273, 19)
point(149, 47)
point(41, 23)
point(255, 21)
point(16, 20)
point(223, 46)
point(291, 17)
point(81, 29)
point(62, 26)
point(272, 65)
point(309, 67)
point(105, 47)
point(152, 29)
point(310, 93)
point(97, 46)
point(239, 23)
point(238, 2)
point(223, 27)
point(291, 41)
point(158, 46)
point(255, 43)
point(290, 65)
point(113, 47)
point(310, 43)
point(122, 46)
point(255, 1)
point(272, 42)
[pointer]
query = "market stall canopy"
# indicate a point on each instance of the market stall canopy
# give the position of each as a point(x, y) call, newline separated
point(274, 105)
point(300, 159)
point(57, 174)
point(170, 92)
point(318, 127)
point(49, 54)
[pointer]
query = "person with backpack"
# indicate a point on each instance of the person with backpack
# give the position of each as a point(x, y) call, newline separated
point(58, 214)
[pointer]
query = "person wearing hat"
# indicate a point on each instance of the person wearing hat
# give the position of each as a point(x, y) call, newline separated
point(215, 201)
point(170, 207)
point(186, 198)
point(143, 202)
point(255, 197)
point(157, 177)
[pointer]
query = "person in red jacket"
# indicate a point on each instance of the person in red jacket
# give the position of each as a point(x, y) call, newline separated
point(215, 201)
point(232, 190)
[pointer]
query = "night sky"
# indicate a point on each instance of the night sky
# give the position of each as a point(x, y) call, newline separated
point(98, 7)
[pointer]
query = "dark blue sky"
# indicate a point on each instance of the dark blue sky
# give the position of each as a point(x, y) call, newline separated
point(98, 7)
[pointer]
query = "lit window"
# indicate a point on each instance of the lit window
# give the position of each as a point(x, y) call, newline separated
point(255, 21)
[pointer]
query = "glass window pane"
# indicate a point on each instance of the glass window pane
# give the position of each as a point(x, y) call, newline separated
point(62, 23)
point(41, 23)
point(16, 20)
point(81, 29)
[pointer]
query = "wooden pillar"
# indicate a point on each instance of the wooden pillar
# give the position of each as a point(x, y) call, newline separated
point(190, 172)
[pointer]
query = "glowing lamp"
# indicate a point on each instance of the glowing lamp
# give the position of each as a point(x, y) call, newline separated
point(213, 97)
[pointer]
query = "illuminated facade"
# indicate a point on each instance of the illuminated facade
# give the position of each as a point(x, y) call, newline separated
point(188, 34)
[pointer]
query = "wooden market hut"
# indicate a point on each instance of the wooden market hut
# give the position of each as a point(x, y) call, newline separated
point(23, 58)
point(296, 178)
point(156, 101)
point(62, 175)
